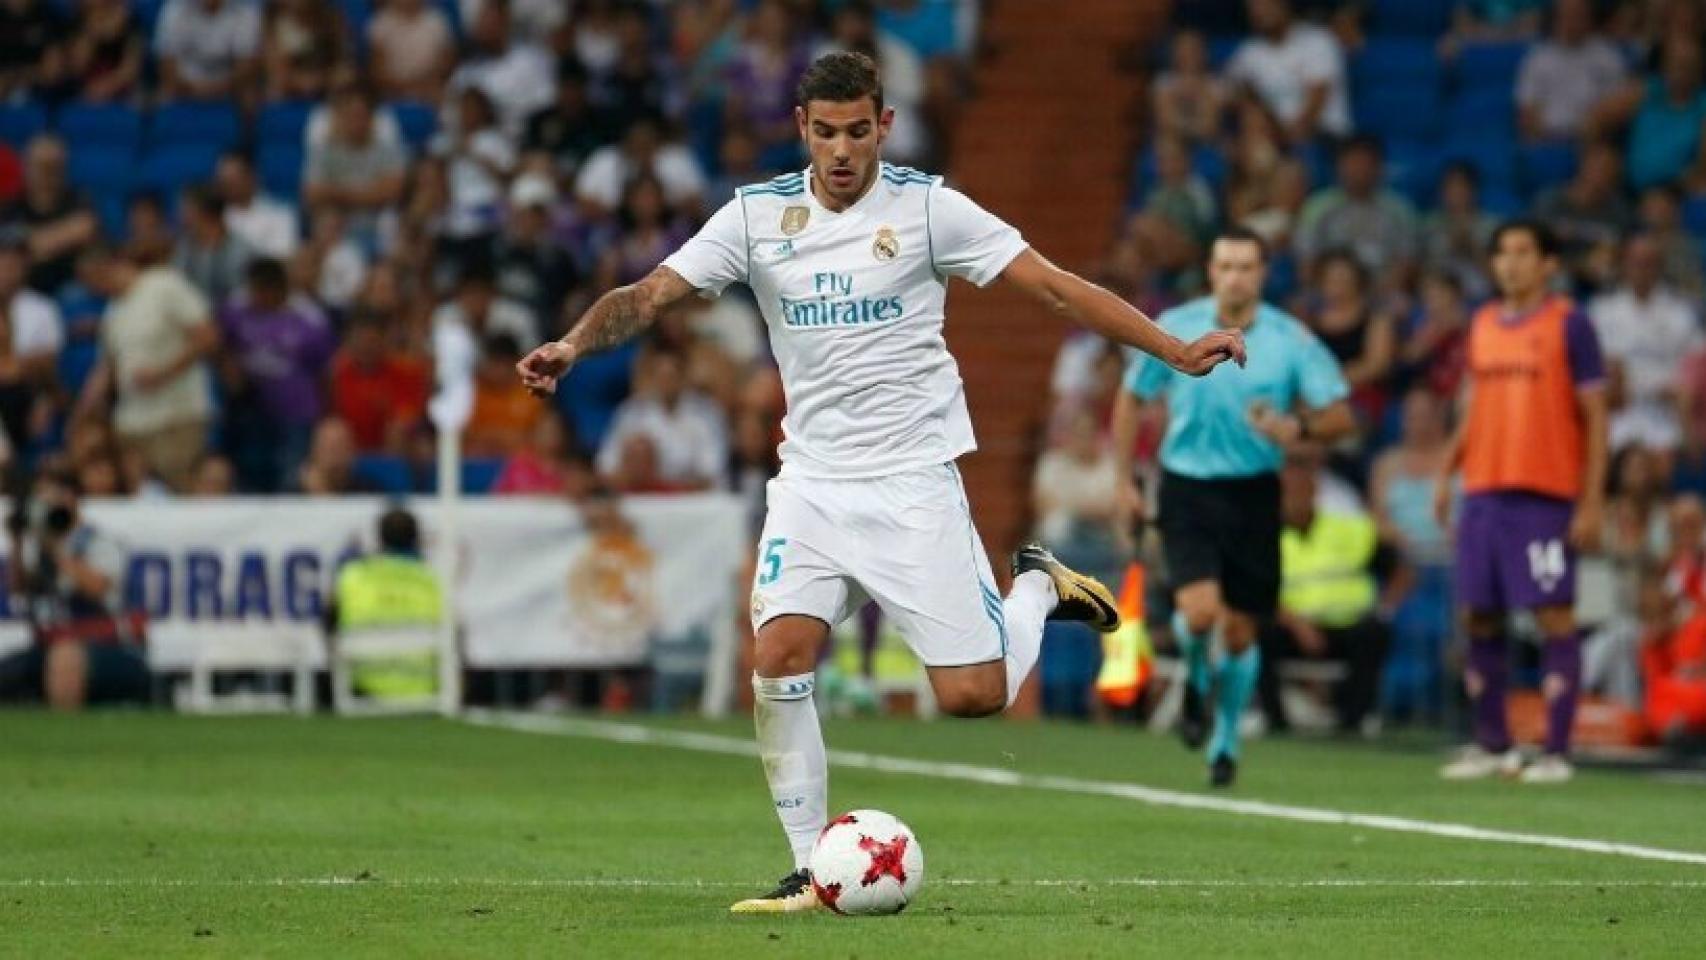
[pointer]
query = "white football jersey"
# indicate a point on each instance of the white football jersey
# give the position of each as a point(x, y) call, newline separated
point(854, 302)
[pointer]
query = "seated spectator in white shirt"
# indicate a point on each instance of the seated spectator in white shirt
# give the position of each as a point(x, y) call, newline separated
point(1565, 76)
point(1297, 70)
point(478, 160)
point(1645, 329)
point(266, 226)
point(208, 49)
point(520, 78)
point(461, 324)
point(606, 173)
point(687, 432)
point(354, 172)
point(28, 354)
point(411, 50)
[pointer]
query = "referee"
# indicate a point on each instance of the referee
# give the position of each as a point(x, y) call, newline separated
point(1220, 493)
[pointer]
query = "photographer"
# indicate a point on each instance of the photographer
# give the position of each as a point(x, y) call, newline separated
point(66, 575)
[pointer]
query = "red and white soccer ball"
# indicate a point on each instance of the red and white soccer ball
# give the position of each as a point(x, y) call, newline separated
point(867, 862)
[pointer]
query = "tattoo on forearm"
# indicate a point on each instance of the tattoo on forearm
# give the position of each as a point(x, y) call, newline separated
point(614, 318)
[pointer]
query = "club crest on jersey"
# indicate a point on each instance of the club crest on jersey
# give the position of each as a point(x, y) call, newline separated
point(887, 245)
point(794, 219)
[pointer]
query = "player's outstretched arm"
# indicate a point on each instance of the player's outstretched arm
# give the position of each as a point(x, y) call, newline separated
point(1071, 296)
point(615, 318)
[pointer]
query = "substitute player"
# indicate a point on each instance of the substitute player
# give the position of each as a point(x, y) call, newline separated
point(849, 261)
point(1219, 510)
point(1532, 448)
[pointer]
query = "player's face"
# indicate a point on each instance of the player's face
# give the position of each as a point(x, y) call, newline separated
point(1519, 268)
point(1236, 273)
point(845, 140)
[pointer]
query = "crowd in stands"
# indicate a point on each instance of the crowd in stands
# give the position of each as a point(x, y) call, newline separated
point(1375, 145)
point(249, 246)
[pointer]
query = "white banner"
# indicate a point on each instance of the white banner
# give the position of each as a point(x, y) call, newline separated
point(535, 587)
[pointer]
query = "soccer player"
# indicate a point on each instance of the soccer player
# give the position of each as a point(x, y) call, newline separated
point(1219, 502)
point(1532, 448)
point(849, 260)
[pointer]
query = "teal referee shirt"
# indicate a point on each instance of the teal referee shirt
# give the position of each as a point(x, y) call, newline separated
point(1209, 436)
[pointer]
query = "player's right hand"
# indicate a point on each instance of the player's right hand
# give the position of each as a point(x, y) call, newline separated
point(541, 369)
point(1211, 350)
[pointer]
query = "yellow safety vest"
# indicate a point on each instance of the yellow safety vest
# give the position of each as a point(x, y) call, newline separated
point(385, 590)
point(1325, 576)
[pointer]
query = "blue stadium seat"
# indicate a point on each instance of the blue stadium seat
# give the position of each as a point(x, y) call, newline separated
point(280, 169)
point(21, 121)
point(479, 476)
point(1694, 216)
point(100, 124)
point(170, 168)
point(390, 474)
point(1415, 18)
point(112, 208)
point(1408, 61)
point(419, 121)
point(1221, 49)
point(285, 122)
point(211, 124)
point(1408, 113)
point(1482, 113)
point(1493, 158)
point(1543, 165)
point(1490, 66)
point(101, 168)
point(1501, 201)
point(1411, 169)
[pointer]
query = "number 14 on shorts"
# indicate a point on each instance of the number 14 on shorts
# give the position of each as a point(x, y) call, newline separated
point(1547, 562)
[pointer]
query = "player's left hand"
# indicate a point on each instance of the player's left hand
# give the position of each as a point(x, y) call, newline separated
point(1587, 524)
point(1211, 350)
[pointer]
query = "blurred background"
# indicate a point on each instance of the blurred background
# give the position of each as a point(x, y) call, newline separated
point(266, 265)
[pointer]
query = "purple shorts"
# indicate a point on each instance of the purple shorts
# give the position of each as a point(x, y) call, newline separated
point(1513, 552)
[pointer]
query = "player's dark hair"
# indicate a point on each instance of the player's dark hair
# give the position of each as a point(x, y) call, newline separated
point(1242, 235)
point(1543, 236)
point(840, 77)
point(399, 532)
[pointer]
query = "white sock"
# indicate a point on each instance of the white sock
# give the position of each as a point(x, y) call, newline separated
point(790, 743)
point(1027, 605)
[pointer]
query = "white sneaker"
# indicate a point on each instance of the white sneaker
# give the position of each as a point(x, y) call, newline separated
point(1474, 763)
point(1549, 769)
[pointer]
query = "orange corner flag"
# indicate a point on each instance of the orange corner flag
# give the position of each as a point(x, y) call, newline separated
point(1127, 657)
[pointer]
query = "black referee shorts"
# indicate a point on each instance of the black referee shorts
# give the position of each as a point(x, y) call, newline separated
point(1227, 531)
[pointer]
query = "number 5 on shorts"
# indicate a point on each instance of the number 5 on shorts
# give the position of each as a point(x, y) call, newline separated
point(770, 564)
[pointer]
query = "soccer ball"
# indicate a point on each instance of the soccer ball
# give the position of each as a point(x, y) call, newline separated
point(867, 861)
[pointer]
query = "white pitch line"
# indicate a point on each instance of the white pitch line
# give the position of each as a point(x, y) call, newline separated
point(641, 882)
point(1154, 796)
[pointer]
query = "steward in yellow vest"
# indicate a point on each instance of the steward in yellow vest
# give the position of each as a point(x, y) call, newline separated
point(389, 589)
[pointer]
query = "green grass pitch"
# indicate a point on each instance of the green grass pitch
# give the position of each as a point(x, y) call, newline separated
point(157, 835)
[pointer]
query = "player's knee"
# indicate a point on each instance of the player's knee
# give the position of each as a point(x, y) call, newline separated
point(980, 695)
point(1201, 612)
point(787, 646)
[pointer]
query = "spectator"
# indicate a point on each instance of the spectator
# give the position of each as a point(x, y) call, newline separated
point(1661, 217)
point(1645, 327)
point(332, 265)
point(1179, 213)
point(601, 180)
point(1296, 70)
point(378, 392)
point(32, 48)
point(265, 226)
point(1563, 78)
point(853, 27)
point(479, 160)
point(1665, 113)
point(462, 324)
point(1402, 495)
point(347, 78)
point(392, 589)
point(1493, 21)
point(82, 651)
point(277, 348)
point(515, 77)
point(155, 340)
point(737, 166)
point(104, 55)
point(546, 464)
point(687, 433)
point(214, 478)
point(208, 49)
point(30, 340)
point(354, 173)
point(411, 50)
point(1274, 215)
point(1360, 336)
point(532, 269)
point(1189, 100)
point(646, 238)
point(1434, 349)
point(58, 217)
point(1360, 215)
point(570, 128)
point(330, 467)
point(531, 21)
point(301, 42)
point(1330, 603)
point(1073, 490)
point(635, 86)
point(504, 414)
point(1455, 236)
point(1590, 214)
point(148, 232)
point(208, 255)
point(11, 175)
point(760, 83)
